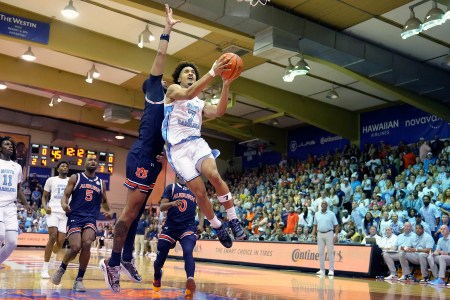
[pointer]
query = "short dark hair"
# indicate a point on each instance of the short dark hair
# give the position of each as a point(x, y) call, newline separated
point(8, 138)
point(62, 162)
point(181, 66)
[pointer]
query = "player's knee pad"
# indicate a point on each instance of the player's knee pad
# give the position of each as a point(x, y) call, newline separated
point(225, 198)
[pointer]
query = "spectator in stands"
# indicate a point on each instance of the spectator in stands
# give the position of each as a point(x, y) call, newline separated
point(430, 214)
point(36, 196)
point(367, 223)
point(357, 215)
point(389, 240)
point(266, 235)
point(372, 234)
point(413, 201)
point(306, 236)
point(348, 191)
point(279, 236)
point(409, 158)
point(404, 240)
point(376, 213)
point(396, 225)
point(424, 149)
point(384, 223)
point(440, 258)
point(208, 234)
point(419, 220)
point(306, 217)
point(417, 254)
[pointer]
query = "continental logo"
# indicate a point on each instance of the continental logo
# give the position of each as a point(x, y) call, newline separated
point(298, 255)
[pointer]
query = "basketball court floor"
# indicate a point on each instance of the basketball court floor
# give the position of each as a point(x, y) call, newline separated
point(20, 279)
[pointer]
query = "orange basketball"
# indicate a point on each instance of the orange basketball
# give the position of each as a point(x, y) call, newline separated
point(236, 66)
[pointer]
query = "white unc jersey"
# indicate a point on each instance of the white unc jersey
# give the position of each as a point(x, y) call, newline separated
point(182, 121)
point(10, 177)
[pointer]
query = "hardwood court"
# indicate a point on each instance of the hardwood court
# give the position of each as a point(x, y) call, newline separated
point(19, 278)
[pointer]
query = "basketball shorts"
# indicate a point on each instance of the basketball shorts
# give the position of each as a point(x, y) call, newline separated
point(174, 235)
point(8, 219)
point(141, 172)
point(79, 224)
point(186, 158)
point(58, 220)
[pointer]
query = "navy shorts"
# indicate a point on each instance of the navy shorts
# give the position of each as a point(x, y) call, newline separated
point(174, 235)
point(141, 172)
point(78, 224)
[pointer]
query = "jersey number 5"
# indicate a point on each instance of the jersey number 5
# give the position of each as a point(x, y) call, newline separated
point(89, 195)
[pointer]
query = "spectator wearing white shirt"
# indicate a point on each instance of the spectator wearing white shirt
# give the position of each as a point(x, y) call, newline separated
point(372, 234)
point(389, 240)
point(384, 223)
point(348, 191)
point(367, 185)
point(430, 190)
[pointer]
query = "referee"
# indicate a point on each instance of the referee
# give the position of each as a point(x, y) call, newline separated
point(324, 223)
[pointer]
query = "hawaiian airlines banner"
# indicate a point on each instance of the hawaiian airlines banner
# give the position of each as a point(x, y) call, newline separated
point(314, 141)
point(401, 123)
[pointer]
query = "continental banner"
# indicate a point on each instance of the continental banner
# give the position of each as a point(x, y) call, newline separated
point(347, 258)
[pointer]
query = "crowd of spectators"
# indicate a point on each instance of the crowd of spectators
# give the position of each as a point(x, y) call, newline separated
point(381, 186)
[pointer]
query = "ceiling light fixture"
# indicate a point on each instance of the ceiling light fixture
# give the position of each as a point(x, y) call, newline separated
point(51, 102)
point(3, 85)
point(332, 94)
point(89, 77)
point(119, 136)
point(301, 68)
point(275, 122)
point(70, 11)
point(145, 37)
point(95, 73)
point(434, 17)
point(412, 27)
point(255, 2)
point(288, 77)
point(28, 55)
point(56, 98)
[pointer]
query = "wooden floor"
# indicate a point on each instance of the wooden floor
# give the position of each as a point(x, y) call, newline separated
point(20, 278)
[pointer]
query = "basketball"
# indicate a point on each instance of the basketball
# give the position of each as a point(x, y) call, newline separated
point(236, 66)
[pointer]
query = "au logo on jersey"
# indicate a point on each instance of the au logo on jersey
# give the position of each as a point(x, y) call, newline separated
point(141, 173)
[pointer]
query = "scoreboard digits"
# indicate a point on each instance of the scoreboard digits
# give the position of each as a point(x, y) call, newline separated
point(50, 156)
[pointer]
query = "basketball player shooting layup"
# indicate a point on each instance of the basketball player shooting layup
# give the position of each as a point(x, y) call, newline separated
point(187, 152)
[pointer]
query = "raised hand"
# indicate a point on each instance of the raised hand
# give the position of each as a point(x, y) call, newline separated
point(169, 17)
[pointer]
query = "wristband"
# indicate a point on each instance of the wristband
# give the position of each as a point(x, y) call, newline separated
point(165, 36)
point(211, 72)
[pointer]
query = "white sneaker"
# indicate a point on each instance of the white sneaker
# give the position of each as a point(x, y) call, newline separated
point(51, 262)
point(320, 272)
point(44, 274)
point(331, 273)
point(391, 277)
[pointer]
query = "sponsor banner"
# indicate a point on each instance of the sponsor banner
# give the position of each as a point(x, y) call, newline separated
point(105, 178)
point(42, 174)
point(23, 28)
point(348, 258)
point(314, 141)
point(256, 154)
point(400, 123)
point(33, 239)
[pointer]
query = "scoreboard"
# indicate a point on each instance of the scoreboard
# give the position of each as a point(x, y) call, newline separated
point(50, 156)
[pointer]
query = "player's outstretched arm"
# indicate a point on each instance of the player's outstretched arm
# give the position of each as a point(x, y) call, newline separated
point(158, 63)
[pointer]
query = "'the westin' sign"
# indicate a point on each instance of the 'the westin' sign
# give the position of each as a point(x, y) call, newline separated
point(23, 28)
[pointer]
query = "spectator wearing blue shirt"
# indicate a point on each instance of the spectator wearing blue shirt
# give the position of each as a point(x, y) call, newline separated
point(416, 254)
point(441, 257)
point(430, 214)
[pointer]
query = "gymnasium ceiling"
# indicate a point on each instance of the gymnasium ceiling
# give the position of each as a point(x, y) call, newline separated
point(353, 45)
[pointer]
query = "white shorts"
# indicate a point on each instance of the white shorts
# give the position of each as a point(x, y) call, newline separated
point(186, 158)
point(8, 219)
point(57, 220)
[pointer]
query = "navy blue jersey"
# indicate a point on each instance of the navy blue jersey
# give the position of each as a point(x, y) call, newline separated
point(86, 197)
point(150, 142)
point(182, 216)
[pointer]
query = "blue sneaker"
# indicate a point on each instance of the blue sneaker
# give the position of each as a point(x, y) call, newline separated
point(437, 281)
point(224, 236)
point(238, 230)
